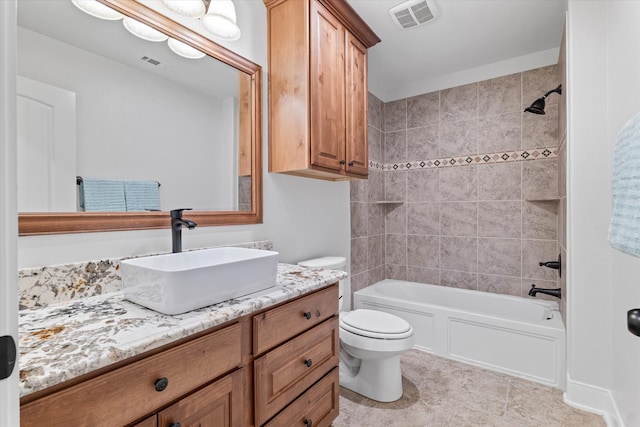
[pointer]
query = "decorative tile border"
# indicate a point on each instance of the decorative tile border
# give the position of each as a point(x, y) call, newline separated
point(42, 286)
point(475, 159)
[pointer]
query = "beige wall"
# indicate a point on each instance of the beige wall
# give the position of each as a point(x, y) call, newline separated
point(482, 223)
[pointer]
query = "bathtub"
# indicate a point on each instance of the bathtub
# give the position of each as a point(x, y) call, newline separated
point(518, 336)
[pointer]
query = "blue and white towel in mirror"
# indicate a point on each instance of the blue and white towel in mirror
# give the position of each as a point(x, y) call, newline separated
point(142, 196)
point(102, 195)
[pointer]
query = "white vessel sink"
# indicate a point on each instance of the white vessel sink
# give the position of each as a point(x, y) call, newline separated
point(181, 282)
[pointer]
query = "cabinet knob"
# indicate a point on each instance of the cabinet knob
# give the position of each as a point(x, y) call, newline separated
point(308, 362)
point(351, 163)
point(161, 384)
point(307, 315)
point(308, 423)
point(343, 162)
point(175, 425)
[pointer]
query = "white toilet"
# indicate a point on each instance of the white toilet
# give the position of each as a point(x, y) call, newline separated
point(371, 343)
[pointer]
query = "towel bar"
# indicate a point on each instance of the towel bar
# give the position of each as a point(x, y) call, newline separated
point(79, 181)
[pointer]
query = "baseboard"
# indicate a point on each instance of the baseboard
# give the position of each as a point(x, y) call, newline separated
point(593, 399)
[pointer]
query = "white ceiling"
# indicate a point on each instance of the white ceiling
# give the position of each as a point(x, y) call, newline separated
point(471, 40)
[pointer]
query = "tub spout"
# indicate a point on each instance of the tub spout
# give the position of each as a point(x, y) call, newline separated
point(553, 292)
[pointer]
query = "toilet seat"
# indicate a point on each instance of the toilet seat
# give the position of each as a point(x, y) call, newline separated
point(376, 324)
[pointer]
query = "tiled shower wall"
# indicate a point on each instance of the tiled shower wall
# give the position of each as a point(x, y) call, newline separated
point(467, 186)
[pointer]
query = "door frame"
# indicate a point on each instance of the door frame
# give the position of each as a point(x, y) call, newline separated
point(9, 391)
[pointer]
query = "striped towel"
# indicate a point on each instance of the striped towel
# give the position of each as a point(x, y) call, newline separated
point(101, 195)
point(624, 229)
point(142, 196)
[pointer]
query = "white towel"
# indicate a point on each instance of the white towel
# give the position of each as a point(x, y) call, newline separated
point(102, 195)
point(624, 229)
point(142, 196)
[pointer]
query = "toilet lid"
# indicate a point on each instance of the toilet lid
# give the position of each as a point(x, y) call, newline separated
point(376, 324)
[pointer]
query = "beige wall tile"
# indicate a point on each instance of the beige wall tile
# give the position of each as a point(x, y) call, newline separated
point(459, 279)
point(459, 103)
point(500, 219)
point(395, 186)
point(395, 220)
point(359, 255)
point(540, 179)
point(423, 218)
point(395, 246)
point(458, 183)
point(534, 252)
point(459, 218)
point(459, 138)
point(375, 138)
point(423, 110)
point(395, 147)
point(423, 185)
point(499, 133)
point(395, 115)
point(499, 95)
point(375, 111)
point(505, 285)
point(540, 130)
point(458, 253)
point(500, 256)
point(359, 218)
point(397, 272)
point(540, 220)
point(423, 143)
point(500, 181)
point(375, 250)
point(423, 251)
point(429, 276)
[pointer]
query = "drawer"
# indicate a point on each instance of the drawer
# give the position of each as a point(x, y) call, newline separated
point(317, 407)
point(284, 373)
point(121, 396)
point(218, 404)
point(273, 327)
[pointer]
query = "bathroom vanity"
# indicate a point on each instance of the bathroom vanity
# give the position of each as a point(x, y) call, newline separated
point(266, 359)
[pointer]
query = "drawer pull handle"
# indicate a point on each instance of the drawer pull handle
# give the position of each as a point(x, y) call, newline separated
point(308, 423)
point(308, 362)
point(307, 315)
point(161, 384)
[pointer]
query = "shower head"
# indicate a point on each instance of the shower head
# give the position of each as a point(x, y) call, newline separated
point(538, 105)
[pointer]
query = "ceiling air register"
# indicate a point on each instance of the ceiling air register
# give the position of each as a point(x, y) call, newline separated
point(413, 13)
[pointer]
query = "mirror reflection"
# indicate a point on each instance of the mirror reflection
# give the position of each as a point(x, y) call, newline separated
point(109, 122)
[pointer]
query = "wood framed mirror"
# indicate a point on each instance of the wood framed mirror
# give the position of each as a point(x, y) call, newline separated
point(241, 161)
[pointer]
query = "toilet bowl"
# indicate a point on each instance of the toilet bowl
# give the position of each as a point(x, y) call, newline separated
point(371, 343)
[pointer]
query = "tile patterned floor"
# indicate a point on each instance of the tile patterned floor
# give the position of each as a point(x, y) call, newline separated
point(440, 392)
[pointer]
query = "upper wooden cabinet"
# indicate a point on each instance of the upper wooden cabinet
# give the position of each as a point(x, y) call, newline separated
point(318, 88)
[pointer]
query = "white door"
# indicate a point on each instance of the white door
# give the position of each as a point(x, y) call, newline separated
point(46, 147)
point(9, 403)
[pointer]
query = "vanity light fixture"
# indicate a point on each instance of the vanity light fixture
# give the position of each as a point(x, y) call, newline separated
point(187, 8)
point(220, 20)
point(538, 105)
point(97, 9)
point(184, 50)
point(143, 31)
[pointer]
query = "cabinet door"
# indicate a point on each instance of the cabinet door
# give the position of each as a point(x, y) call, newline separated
point(327, 89)
point(356, 106)
point(216, 405)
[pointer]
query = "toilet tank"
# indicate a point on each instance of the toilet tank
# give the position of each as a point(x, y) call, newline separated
point(330, 263)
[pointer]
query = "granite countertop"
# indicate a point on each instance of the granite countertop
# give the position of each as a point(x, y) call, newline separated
point(65, 340)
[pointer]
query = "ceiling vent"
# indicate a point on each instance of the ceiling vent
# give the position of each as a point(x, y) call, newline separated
point(153, 62)
point(413, 13)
